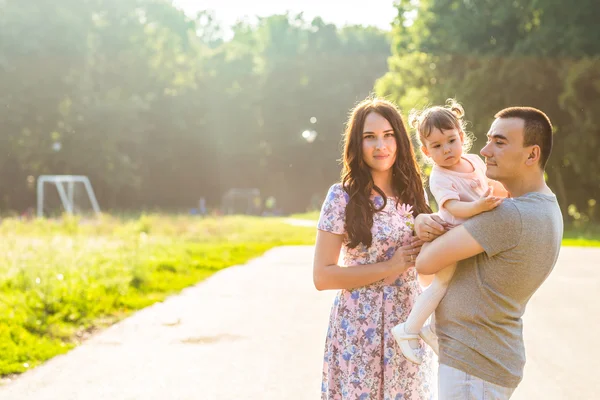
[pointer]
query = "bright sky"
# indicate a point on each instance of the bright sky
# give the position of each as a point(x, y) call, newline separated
point(379, 13)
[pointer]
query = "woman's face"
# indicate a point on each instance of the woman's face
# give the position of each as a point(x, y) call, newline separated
point(378, 143)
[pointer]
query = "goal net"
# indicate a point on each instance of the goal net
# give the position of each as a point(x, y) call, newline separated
point(72, 194)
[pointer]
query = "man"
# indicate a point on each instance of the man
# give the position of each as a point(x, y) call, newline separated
point(503, 256)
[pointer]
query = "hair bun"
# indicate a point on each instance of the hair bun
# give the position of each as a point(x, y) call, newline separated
point(455, 107)
point(413, 119)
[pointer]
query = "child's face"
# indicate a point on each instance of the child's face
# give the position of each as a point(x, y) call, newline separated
point(444, 147)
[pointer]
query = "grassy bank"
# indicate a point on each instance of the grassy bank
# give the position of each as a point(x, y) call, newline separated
point(61, 280)
point(587, 238)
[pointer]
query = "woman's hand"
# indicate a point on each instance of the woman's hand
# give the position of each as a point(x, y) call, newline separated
point(429, 226)
point(405, 256)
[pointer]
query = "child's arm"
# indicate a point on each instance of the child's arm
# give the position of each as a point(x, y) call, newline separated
point(467, 209)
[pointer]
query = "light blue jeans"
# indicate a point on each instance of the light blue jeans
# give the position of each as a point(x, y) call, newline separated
point(454, 384)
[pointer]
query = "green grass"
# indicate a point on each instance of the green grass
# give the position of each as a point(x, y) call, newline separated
point(62, 279)
point(311, 216)
point(588, 238)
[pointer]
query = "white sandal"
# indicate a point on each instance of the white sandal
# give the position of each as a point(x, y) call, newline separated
point(402, 338)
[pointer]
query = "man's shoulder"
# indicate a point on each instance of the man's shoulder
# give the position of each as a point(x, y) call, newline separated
point(506, 218)
point(535, 205)
point(539, 211)
point(507, 210)
point(535, 198)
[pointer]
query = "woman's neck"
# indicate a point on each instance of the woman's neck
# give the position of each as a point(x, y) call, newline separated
point(383, 180)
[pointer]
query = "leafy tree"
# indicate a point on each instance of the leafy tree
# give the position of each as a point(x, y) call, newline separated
point(159, 110)
point(491, 55)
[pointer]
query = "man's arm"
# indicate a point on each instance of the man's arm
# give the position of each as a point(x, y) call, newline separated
point(448, 249)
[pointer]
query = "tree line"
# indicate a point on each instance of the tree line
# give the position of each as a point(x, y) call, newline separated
point(159, 110)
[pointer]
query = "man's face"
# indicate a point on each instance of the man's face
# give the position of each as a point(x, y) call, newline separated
point(505, 156)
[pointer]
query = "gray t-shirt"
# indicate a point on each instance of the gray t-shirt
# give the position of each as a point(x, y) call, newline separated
point(479, 320)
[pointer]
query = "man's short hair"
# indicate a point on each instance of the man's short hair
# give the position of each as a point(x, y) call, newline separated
point(538, 129)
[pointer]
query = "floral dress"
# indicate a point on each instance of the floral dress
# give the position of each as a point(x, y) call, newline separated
point(362, 360)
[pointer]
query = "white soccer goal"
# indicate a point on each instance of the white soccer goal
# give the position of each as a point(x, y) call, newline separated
point(67, 196)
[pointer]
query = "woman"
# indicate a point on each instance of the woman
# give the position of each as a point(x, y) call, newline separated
point(369, 218)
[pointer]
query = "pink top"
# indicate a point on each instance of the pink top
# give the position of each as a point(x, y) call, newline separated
point(463, 186)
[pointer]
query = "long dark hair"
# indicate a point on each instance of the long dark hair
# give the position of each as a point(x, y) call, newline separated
point(356, 175)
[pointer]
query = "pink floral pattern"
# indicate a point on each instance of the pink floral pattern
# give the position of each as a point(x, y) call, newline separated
point(362, 360)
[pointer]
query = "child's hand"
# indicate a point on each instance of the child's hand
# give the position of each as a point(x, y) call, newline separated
point(488, 202)
point(429, 226)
